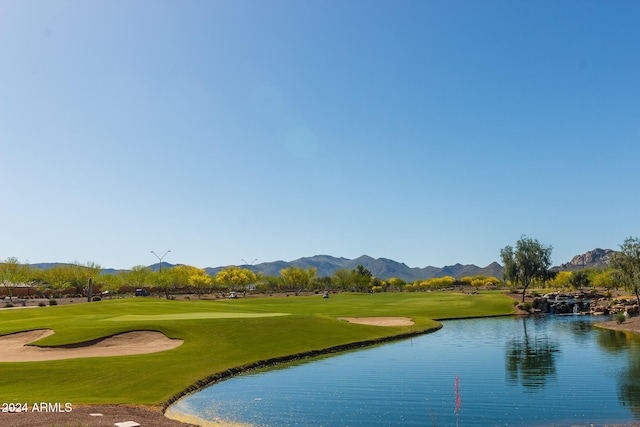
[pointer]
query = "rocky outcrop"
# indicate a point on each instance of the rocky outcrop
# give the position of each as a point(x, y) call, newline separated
point(593, 259)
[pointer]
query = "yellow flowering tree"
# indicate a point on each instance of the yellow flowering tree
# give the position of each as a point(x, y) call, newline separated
point(298, 278)
point(562, 280)
point(236, 278)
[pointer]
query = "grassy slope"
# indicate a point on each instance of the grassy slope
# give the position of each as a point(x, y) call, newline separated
point(211, 344)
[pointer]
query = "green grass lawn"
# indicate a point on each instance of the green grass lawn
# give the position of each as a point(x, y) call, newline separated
point(218, 335)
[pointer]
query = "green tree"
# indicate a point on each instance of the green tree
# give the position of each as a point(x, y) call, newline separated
point(137, 277)
point(268, 283)
point(57, 279)
point(298, 278)
point(110, 283)
point(342, 278)
point(362, 278)
point(78, 275)
point(626, 265)
point(13, 273)
point(510, 272)
point(164, 281)
point(322, 283)
point(579, 279)
point(529, 261)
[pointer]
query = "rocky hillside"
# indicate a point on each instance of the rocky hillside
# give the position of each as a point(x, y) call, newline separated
point(593, 259)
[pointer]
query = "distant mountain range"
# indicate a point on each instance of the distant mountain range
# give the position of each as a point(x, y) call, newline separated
point(381, 268)
point(384, 268)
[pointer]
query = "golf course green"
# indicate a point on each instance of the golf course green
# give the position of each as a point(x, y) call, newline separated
point(218, 336)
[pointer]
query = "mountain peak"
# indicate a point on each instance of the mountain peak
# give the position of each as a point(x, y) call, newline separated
point(595, 258)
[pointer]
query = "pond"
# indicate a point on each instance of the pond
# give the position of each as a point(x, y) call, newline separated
point(542, 371)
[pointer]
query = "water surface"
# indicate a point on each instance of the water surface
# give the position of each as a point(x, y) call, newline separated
point(543, 371)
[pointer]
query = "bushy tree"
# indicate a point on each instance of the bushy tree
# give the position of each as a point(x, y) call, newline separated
point(561, 280)
point(13, 273)
point(579, 279)
point(110, 282)
point(192, 277)
point(342, 278)
point(480, 280)
point(80, 274)
point(604, 279)
point(75, 275)
point(298, 278)
point(56, 279)
point(530, 260)
point(361, 278)
point(236, 278)
point(396, 283)
point(626, 265)
point(164, 281)
point(137, 277)
point(434, 283)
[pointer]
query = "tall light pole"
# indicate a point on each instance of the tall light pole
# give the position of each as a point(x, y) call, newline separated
point(249, 264)
point(251, 287)
point(161, 257)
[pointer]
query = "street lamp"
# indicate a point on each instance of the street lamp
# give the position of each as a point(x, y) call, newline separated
point(249, 264)
point(161, 257)
point(251, 287)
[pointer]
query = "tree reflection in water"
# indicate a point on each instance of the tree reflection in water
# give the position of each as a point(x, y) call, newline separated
point(628, 383)
point(531, 360)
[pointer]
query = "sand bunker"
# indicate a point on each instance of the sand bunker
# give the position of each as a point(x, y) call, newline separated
point(380, 321)
point(13, 348)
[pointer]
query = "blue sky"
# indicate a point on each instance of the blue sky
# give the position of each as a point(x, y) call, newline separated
point(430, 132)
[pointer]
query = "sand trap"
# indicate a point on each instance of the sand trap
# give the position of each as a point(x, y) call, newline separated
point(13, 348)
point(380, 321)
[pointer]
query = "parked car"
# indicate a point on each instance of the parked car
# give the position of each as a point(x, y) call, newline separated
point(142, 293)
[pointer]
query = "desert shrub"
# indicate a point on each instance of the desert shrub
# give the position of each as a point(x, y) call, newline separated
point(53, 302)
point(620, 318)
point(527, 306)
point(8, 305)
point(41, 304)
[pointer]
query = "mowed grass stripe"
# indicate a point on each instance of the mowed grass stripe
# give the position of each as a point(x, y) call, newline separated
point(190, 316)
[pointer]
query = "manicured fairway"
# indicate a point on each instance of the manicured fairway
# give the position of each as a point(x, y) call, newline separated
point(189, 316)
point(218, 336)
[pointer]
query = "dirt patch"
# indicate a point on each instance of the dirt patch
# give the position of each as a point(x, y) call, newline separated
point(629, 325)
point(379, 321)
point(91, 416)
point(13, 347)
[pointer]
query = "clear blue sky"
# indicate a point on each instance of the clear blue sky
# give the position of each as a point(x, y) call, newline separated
point(430, 132)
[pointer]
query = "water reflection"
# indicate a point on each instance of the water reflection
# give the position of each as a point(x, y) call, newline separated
point(613, 342)
point(628, 379)
point(629, 386)
point(530, 359)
